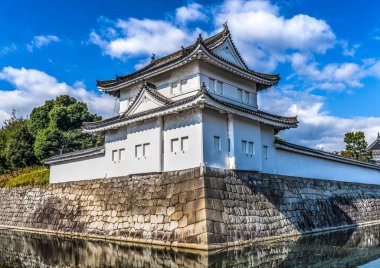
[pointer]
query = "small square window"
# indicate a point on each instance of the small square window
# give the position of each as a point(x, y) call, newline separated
point(240, 94)
point(246, 96)
point(251, 148)
point(174, 145)
point(217, 144)
point(146, 149)
point(211, 84)
point(220, 87)
point(244, 147)
point(184, 144)
point(265, 152)
point(115, 155)
point(183, 84)
point(174, 88)
point(122, 154)
point(138, 151)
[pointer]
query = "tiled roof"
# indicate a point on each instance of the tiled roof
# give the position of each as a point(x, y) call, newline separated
point(376, 144)
point(322, 154)
point(75, 155)
point(209, 43)
point(290, 121)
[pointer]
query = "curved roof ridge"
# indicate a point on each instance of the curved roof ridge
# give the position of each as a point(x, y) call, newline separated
point(208, 43)
point(376, 142)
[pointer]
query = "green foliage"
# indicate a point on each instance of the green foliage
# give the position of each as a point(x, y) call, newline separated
point(356, 146)
point(277, 138)
point(29, 176)
point(19, 149)
point(56, 127)
point(33, 177)
point(16, 145)
point(48, 142)
point(51, 128)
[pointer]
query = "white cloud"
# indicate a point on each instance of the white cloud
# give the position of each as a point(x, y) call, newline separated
point(7, 49)
point(333, 76)
point(317, 127)
point(347, 50)
point(191, 12)
point(39, 41)
point(264, 37)
point(33, 87)
point(142, 37)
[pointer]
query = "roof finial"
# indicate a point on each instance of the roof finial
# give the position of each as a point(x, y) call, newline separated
point(182, 50)
point(200, 39)
point(378, 135)
point(117, 77)
point(153, 57)
point(225, 26)
point(203, 87)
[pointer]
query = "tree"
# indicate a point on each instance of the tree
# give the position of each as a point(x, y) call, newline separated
point(56, 127)
point(16, 144)
point(356, 146)
point(19, 151)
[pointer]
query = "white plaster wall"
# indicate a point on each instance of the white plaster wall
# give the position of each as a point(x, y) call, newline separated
point(215, 124)
point(247, 130)
point(128, 138)
point(184, 124)
point(293, 164)
point(126, 94)
point(186, 77)
point(85, 169)
point(230, 87)
point(267, 139)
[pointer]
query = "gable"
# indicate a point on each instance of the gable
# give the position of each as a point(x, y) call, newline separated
point(228, 52)
point(375, 145)
point(144, 103)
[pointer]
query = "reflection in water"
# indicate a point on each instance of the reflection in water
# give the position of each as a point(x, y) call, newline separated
point(345, 248)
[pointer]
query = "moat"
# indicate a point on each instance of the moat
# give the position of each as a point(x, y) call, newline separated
point(344, 248)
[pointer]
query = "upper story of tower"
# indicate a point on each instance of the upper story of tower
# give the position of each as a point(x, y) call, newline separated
point(214, 63)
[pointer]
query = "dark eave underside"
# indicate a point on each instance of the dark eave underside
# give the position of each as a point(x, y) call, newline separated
point(289, 121)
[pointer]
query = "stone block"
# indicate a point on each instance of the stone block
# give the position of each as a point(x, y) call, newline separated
point(182, 222)
point(176, 216)
point(200, 215)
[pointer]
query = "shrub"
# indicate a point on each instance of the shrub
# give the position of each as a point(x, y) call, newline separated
point(31, 176)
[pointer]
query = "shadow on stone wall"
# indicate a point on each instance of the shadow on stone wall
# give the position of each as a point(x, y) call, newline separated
point(344, 248)
point(250, 205)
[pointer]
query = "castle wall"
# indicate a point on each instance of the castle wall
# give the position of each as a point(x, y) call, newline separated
point(268, 152)
point(199, 208)
point(231, 84)
point(296, 164)
point(75, 170)
point(182, 140)
point(214, 130)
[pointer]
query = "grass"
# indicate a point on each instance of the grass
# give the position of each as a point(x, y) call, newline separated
point(29, 176)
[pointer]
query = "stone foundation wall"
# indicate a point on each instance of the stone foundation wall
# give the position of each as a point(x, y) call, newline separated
point(243, 206)
point(153, 208)
point(199, 208)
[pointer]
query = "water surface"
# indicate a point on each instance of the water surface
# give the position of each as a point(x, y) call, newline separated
point(344, 248)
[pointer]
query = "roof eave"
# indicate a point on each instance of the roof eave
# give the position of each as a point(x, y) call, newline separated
point(193, 55)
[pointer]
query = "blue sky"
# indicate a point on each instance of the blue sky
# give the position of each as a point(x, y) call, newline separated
point(327, 53)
